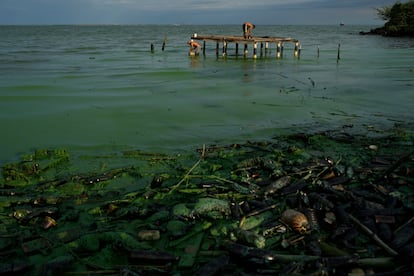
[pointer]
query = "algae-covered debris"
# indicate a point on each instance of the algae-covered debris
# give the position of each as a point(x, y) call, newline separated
point(297, 204)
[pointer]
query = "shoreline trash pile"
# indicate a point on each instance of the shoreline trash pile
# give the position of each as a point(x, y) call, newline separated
point(311, 204)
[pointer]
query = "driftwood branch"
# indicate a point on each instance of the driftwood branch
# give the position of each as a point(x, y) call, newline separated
point(373, 236)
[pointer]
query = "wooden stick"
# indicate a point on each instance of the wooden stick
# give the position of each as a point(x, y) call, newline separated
point(338, 57)
point(374, 236)
point(411, 220)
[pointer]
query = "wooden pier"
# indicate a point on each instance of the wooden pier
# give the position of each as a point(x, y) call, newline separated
point(264, 41)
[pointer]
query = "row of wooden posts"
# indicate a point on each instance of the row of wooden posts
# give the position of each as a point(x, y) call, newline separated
point(264, 44)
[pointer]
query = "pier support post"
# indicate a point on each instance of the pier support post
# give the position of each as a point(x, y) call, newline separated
point(297, 50)
point(266, 48)
point(224, 48)
point(237, 49)
point(279, 50)
point(255, 50)
point(217, 48)
point(261, 49)
point(318, 52)
point(152, 48)
point(245, 49)
point(204, 47)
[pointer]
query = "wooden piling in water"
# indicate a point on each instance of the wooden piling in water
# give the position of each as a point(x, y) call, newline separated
point(296, 52)
point(255, 50)
point(261, 49)
point(338, 56)
point(279, 49)
point(224, 48)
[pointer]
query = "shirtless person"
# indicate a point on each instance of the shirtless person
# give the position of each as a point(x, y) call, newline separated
point(247, 29)
point(194, 47)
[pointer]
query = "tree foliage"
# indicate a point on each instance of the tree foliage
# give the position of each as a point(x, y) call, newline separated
point(399, 17)
point(384, 12)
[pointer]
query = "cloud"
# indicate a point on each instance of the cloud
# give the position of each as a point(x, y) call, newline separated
point(206, 5)
point(186, 11)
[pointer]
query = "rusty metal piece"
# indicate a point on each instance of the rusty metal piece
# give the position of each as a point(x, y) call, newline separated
point(296, 220)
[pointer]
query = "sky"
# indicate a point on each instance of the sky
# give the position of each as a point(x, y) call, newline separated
point(211, 12)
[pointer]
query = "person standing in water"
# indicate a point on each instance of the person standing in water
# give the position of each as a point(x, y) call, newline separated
point(194, 47)
point(247, 29)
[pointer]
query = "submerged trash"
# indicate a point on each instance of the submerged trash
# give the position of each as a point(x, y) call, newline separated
point(311, 204)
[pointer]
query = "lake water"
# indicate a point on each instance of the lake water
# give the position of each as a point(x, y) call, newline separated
point(99, 88)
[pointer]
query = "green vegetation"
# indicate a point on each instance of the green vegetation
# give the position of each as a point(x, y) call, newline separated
point(299, 204)
point(399, 17)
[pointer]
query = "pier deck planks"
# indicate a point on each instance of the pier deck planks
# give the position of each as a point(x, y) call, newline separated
point(241, 39)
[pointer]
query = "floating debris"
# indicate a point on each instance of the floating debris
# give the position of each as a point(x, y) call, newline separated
point(307, 204)
point(296, 220)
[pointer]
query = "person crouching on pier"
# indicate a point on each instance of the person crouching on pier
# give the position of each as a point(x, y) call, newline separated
point(194, 48)
point(247, 29)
